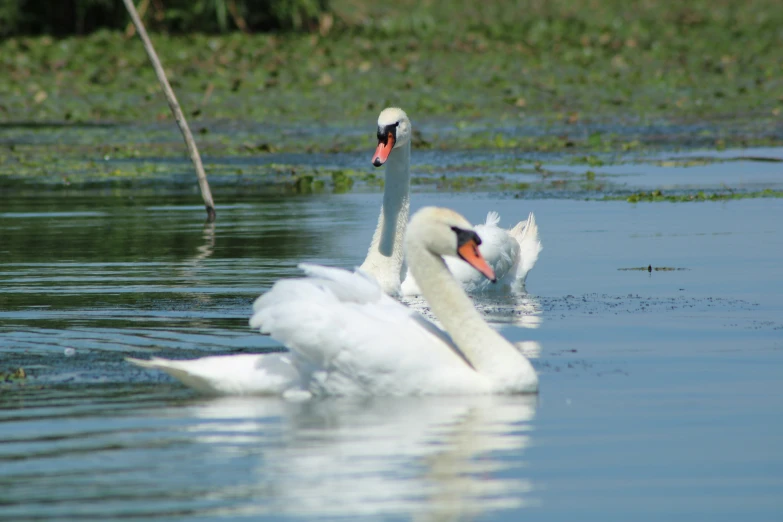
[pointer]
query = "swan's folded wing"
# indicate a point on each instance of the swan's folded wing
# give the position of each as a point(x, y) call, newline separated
point(358, 338)
point(355, 287)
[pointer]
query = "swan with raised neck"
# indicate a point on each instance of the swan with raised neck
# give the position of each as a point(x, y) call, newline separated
point(512, 253)
point(385, 258)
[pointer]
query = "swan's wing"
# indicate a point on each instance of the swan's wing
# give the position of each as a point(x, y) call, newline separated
point(526, 234)
point(358, 339)
point(350, 287)
point(493, 219)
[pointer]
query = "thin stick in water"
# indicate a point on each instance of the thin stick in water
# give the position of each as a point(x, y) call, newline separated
point(175, 109)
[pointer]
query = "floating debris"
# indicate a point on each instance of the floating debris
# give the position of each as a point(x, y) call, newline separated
point(650, 268)
point(13, 375)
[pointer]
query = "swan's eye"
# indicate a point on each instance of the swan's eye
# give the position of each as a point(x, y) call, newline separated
point(389, 131)
point(466, 236)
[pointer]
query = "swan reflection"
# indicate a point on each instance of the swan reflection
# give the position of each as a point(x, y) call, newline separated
point(432, 457)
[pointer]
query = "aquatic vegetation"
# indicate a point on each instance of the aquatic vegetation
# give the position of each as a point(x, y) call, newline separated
point(11, 376)
point(583, 80)
point(559, 63)
point(342, 181)
point(658, 195)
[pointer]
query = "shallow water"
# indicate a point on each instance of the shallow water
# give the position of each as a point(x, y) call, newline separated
point(661, 394)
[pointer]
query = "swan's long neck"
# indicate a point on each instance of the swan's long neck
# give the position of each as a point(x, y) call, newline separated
point(385, 258)
point(490, 354)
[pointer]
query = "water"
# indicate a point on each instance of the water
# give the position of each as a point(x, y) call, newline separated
point(661, 393)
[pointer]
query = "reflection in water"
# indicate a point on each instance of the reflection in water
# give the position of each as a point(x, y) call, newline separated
point(140, 277)
point(193, 271)
point(440, 458)
point(205, 250)
point(155, 452)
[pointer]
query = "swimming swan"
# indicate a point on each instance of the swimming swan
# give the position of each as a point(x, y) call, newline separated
point(511, 253)
point(347, 337)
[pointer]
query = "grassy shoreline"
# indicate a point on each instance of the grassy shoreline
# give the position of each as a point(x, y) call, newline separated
point(569, 77)
point(556, 61)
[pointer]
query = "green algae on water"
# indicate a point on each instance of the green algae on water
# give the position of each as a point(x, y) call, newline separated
point(658, 196)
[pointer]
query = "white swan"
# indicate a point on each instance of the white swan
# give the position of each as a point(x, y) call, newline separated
point(347, 337)
point(511, 253)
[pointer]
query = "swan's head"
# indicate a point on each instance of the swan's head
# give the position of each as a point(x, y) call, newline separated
point(394, 131)
point(446, 233)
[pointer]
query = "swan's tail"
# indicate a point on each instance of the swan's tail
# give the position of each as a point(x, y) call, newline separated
point(179, 370)
point(243, 374)
point(526, 234)
point(150, 363)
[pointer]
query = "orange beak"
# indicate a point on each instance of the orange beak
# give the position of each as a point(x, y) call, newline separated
point(383, 151)
point(470, 253)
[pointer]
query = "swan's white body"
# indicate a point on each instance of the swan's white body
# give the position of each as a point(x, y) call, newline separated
point(511, 253)
point(347, 337)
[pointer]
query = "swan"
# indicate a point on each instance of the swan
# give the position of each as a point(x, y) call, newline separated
point(511, 253)
point(347, 337)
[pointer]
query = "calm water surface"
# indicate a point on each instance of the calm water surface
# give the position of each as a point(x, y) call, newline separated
point(661, 393)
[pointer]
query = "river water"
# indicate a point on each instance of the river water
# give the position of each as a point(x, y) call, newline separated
point(661, 392)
